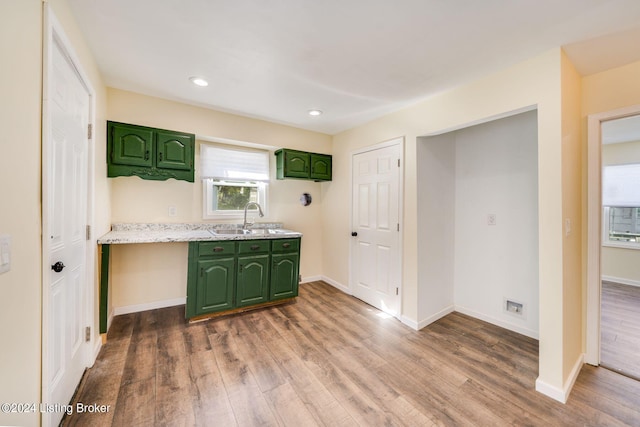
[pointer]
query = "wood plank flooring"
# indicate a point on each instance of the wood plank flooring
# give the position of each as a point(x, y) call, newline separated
point(332, 360)
point(620, 328)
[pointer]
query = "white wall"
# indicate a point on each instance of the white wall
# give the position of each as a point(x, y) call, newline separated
point(436, 176)
point(496, 173)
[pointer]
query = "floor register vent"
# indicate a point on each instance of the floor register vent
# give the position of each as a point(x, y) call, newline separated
point(514, 307)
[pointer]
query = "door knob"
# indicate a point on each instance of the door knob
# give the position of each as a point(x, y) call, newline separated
point(57, 267)
point(354, 233)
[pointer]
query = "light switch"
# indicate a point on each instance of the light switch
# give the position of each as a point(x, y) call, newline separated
point(5, 253)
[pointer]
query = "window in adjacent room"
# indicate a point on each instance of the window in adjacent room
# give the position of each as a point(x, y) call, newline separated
point(621, 204)
point(231, 178)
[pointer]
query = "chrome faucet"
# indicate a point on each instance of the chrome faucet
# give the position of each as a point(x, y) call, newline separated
point(246, 207)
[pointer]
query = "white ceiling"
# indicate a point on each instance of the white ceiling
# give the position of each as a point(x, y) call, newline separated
point(616, 131)
point(353, 59)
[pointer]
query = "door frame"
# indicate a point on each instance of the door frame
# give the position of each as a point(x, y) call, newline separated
point(53, 34)
point(594, 225)
point(400, 142)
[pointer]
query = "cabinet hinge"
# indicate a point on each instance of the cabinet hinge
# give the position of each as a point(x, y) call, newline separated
point(397, 291)
point(398, 227)
point(398, 162)
point(87, 333)
point(90, 130)
point(88, 231)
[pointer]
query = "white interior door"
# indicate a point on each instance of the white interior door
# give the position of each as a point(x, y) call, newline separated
point(375, 233)
point(66, 210)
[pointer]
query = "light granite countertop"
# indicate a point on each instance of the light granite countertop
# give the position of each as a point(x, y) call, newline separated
point(122, 233)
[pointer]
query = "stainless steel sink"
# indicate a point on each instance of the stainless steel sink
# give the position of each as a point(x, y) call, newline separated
point(232, 231)
point(253, 232)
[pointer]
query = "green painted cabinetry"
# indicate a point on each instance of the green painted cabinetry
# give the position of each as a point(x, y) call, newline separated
point(149, 153)
point(302, 165)
point(285, 261)
point(227, 275)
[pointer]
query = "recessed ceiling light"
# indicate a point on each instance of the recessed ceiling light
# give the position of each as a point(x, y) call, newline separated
point(199, 81)
point(315, 112)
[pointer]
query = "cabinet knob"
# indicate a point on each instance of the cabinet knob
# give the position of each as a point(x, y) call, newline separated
point(255, 247)
point(286, 245)
point(354, 233)
point(218, 249)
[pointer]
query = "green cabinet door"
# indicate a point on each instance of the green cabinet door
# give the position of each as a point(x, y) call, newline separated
point(174, 150)
point(284, 276)
point(214, 289)
point(320, 167)
point(292, 164)
point(130, 145)
point(252, 286)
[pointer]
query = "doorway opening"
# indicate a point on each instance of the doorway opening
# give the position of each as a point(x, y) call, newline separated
point(613, 335)
point(478, 223)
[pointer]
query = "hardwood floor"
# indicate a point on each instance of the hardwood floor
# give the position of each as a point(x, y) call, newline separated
point(332, 360)
point(620, 328)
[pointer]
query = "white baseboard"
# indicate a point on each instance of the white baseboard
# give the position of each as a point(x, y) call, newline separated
point(499, 322)
point(335, 284)
point(561, 395)
point(149, 306)
point(621, 280)
point(437, 316)
point(311, 279)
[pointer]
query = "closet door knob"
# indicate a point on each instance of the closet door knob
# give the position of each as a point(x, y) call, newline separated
point(57, 267)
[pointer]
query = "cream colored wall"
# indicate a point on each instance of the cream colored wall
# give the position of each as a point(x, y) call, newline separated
point(136, 276)
point(20, 169)
point(533, 82)
point(20, 41)
point(572, 150)
point(620, 263)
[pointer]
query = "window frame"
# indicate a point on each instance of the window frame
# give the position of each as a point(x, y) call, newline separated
point(606, 225)
point(207, 199)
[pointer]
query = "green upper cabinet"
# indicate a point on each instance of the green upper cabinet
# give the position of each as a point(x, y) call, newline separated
point(149, 153)
point(302, 165)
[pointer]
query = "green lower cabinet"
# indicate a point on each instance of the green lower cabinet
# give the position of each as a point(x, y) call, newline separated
point(215, 285)
point(225, 275)
point(252, 286)
point(284, 276)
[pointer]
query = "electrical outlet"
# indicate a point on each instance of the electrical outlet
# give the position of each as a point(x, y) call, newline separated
point(5, 253)
point(173, 211)
point(491, 219)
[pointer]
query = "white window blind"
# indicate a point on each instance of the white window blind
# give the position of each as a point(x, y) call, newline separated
point(233, 163)
point(621, 185)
